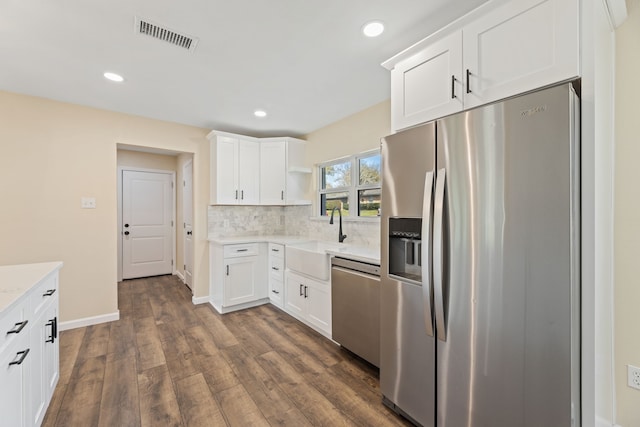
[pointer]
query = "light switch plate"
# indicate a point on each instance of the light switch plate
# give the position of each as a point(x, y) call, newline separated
point(88, 203)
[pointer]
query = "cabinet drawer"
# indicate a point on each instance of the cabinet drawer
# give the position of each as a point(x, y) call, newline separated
point(44, 293)
point(276, 291)
point(245, 249)
point(276, 268)
point(13, 325)
point(276, 250)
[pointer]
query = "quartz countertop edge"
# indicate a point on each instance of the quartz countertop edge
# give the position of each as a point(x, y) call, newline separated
point(354, 252)
point(17, 280)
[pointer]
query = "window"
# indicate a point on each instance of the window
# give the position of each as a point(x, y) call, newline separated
point(351, 184)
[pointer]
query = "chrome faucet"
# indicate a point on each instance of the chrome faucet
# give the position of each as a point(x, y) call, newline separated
point(341, 236)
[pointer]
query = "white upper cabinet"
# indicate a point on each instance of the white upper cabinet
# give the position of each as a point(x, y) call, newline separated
point(235, 163)
point(491, 54)
point(419, 89)
point(524, 45)
point(273, 172)
point(283, 177)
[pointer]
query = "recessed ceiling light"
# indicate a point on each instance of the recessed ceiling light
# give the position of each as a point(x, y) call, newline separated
point(373, 28)
point(260, 113)
point(113, 77)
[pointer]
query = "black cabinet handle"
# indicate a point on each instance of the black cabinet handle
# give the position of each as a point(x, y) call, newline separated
point(305, 291)
point(468, 74)
point(453, 87)
point(55, 328)
point(242, 250)
point(23, 355)
point(275, 250)
point(275, 292)
point(227, 270)
point(282, 195)
point(49, 293)
point(242, 195)
point(236, 194)
point(275, 268)
point(301, 285)
point(18, 327)
point(51, 338)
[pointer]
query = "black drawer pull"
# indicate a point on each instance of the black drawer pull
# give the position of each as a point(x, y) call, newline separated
point(23, 355)
point(275, 292)
point(242, 250)
point(49, 293)
point(305, 292)
point(301, 285)
point(54, 330)
point(275, 268)
point(18, 327)
point(275, 250)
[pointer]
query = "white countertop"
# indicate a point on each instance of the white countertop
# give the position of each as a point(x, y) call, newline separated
point(17, 280)
point(355, 252)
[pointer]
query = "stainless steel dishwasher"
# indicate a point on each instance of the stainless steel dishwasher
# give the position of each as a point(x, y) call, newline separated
point(355, 307)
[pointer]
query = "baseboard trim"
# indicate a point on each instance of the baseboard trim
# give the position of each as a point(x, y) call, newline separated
point(180, 276)
point(199, 300)
point(88, 321)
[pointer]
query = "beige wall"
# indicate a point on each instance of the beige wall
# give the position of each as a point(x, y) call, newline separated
point(627, 215)
point(138, 159)
point(53, 154)
point(354, 134)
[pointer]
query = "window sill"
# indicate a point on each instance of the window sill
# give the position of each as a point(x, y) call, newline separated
point(364, 219)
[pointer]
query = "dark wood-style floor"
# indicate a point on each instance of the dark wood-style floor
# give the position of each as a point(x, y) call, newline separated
point(168, 363)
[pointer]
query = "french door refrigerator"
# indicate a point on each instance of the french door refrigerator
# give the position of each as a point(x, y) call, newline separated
point(480, 266)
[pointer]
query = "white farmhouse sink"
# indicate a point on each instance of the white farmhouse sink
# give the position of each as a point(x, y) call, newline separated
point(311, 258)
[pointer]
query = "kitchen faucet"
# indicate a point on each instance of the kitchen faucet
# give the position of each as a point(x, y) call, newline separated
point(341, 236)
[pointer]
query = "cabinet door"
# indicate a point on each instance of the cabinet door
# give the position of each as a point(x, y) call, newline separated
point(12, 384)
point(294, 295)
point(248, 172)
point(429, 84)
point(273, 173)
point(241, 280)
point(319, 305)
point(38, 337)
point(226, 173)
point(520, 46)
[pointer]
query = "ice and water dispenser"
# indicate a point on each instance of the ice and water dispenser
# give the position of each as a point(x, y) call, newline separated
point(405, 249)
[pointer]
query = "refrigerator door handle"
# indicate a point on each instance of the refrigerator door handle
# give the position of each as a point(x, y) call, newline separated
point(438, 279)
point(426, 252)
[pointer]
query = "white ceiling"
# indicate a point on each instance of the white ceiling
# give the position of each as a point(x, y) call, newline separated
point(305, 62)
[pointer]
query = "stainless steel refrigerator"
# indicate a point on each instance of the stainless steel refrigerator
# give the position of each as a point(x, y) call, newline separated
point(480, 269)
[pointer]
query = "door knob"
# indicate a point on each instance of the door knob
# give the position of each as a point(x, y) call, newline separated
point(126, 225)
point(126, 233)
point(189, 233)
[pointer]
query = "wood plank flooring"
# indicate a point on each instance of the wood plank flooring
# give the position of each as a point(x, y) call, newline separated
point(169, 363)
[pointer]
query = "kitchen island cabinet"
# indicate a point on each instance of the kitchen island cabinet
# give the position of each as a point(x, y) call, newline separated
point(29, 349)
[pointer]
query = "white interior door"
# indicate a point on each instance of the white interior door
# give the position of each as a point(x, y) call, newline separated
point(187, 200)
point(147, 229)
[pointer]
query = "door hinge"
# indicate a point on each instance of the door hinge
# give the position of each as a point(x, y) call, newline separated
point(184, 225)
point(184, 183)
point(171, 184)
point(172, 263)
point(184, 267)
point(172, 223)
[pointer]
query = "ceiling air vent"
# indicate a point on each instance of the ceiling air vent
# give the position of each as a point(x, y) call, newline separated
point(151, 29)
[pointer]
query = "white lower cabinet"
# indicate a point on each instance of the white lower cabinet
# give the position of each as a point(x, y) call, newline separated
point(29, 349)
point(276, 274)
point(14, 382)
point(309, 300)
point(238, 278)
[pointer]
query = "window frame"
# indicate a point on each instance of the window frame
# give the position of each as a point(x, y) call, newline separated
point(352, 190)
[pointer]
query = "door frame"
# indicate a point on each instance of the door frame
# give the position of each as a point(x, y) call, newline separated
point(184, 234)
point(121, 170)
